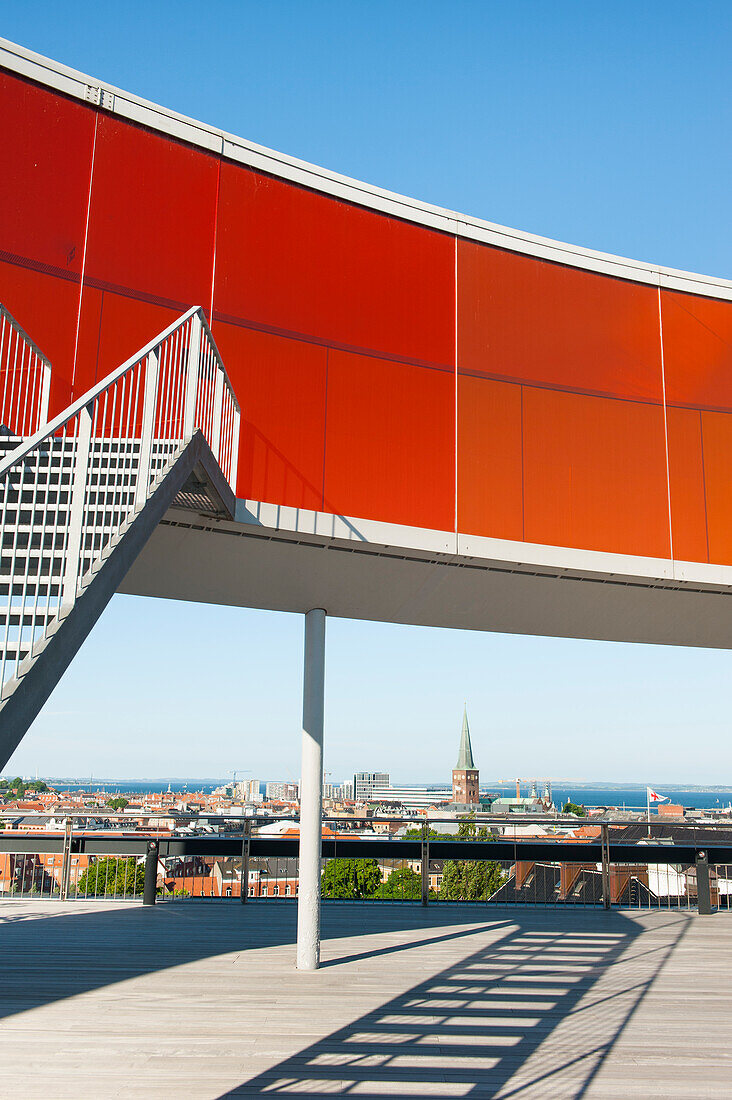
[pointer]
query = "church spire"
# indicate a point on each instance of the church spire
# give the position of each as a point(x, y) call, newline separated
point(465, 755)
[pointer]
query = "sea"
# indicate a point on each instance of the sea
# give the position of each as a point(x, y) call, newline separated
point(136, 786)
point(629, 796)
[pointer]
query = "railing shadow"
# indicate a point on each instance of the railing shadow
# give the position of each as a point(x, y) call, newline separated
point(535, 1012)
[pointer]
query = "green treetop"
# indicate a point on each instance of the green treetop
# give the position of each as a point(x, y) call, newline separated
point(112, 876)
point(117, 803)
point(573, 808)
point(349, 879)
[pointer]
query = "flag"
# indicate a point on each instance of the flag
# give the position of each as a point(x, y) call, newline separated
point(653, 797)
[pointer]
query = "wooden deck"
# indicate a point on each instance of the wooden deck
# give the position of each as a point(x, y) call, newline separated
point(201, 1000)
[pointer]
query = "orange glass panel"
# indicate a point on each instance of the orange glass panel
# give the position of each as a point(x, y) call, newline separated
point(697, 344)
point(293, 260)
point(717, 437)
point(390, 441)
point(532, 321)
point(280, 385)
point(686, 477)
point(595, 473)
point(490, 491)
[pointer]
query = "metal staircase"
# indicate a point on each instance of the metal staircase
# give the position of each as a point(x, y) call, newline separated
point(80, 497)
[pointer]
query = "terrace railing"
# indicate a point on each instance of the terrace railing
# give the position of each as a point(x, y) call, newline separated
point(693, 873)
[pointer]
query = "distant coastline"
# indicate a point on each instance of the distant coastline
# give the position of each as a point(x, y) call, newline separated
point(630, 796)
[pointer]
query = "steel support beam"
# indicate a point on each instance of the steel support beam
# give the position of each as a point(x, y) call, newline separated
point(245, 848)
point(151, 873)
point(66, 861)
point(604, 833)
point(703, 890)
point(311, 792)
point(425, 864)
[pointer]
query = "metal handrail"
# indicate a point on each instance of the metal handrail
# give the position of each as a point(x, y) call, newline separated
point(686, 867)
point(502, 821)
point(26, 385)
point(53, 426)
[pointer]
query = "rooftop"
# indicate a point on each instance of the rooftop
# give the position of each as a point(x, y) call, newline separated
point(200, 1000)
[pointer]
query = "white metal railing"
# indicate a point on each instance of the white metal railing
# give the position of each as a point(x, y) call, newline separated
point(66, 492)
point(25, 380)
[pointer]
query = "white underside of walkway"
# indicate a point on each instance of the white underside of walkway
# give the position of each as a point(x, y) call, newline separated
point(201, 1000)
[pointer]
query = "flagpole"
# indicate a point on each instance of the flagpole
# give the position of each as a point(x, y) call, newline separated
point(648, 808)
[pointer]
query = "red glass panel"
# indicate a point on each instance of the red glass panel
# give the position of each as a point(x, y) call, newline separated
point(686, 477)
point(293, 260)
point(44, 182)
point(697, 344)
point(490, 491)
point(390, 442)
point(280, 385)
point(152, 217)
point(46, 307)
point(595, 473)
point(717, 438)
point(528, 320)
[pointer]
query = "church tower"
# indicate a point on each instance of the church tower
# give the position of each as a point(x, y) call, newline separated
point(465, 773)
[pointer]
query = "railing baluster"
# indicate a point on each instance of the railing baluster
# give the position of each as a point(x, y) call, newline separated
point(194, 355)
point(78, 492)
point(146, 436)
point(24, 401)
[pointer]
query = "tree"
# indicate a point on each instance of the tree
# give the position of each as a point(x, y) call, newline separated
point(432, 834)
point(112, 875)
point(468, 879)
point(350, 878)
point(468, 830)
point(573, 808)
point(471, 880)
point(402, 884)
point(117, 803)
point(13, 789)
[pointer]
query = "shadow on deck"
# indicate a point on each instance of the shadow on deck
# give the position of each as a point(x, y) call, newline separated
point(449, 1001)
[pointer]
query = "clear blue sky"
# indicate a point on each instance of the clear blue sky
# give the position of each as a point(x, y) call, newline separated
point(604, 125)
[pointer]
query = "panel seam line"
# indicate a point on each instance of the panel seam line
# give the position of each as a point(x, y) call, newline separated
point(665, 429)
point(83, 256)
point(456, 394)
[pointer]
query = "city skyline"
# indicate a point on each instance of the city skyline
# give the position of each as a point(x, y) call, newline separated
point(553, 728)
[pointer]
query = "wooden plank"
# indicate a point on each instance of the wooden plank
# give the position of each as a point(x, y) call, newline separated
point(201, 1000)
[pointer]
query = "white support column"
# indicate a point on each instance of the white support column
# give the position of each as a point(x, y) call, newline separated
point(311, 792)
